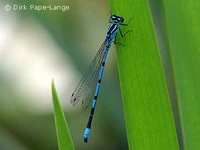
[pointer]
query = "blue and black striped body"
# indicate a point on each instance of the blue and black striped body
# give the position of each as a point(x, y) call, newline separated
point(111, 33)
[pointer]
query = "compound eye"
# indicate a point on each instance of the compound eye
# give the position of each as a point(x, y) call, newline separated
point(113, 17)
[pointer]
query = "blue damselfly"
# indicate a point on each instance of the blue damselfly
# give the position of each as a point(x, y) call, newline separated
point(85, 90)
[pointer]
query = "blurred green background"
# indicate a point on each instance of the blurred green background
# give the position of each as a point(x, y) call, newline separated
point(36, 46)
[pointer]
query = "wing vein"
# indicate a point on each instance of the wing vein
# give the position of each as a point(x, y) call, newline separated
point(86, 87)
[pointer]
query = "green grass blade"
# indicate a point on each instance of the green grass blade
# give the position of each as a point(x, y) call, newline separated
point(63, 134)
point(148, 115)
point(184, 38)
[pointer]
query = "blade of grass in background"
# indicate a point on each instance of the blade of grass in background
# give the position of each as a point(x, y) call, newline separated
point(63, 134)
point(184, 37)
point(159, 19)
point(148, 115)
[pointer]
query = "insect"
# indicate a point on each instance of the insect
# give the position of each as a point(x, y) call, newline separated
point(85, 90)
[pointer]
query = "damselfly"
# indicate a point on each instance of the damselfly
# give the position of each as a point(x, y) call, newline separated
point(85, 90)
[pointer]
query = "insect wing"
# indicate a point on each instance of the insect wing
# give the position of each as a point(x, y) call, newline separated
point(86, 87)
